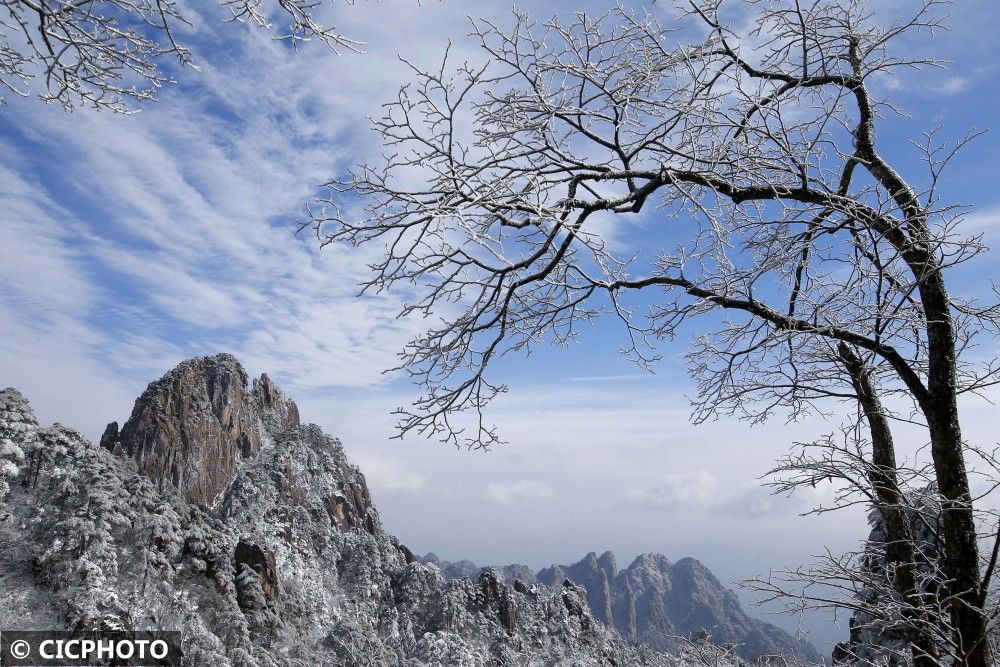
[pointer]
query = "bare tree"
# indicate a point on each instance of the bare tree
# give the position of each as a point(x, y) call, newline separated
point(895, 586)
point(760, 148)
point(108, 53)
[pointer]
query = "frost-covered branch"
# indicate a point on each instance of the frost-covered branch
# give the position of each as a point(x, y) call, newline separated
point(110, 54)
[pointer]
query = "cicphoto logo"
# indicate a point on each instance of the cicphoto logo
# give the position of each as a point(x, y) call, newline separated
point(45, 648)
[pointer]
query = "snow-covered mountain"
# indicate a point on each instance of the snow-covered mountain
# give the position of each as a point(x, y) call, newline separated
point(655, 602)
point(213, 511)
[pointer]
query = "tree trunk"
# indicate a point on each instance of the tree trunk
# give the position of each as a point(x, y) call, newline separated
point(961, 548)
point(940, 408)
point(939, 402)
point(900, 552)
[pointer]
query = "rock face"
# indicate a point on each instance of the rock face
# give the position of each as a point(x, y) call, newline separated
point(110, 438)
point(594, 577)
point(656, 603)
point(192, 427)
point(277, 411)
point(261, 562)
point(221, 516)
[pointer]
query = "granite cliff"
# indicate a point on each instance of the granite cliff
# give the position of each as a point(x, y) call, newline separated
point(192, 427)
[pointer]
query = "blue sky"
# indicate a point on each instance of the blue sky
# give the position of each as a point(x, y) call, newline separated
point(132, 242)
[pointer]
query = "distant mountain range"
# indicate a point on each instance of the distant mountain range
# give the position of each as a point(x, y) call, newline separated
point(654, 602)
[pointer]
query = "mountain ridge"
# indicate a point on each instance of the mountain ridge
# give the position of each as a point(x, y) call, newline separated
point(654, 602)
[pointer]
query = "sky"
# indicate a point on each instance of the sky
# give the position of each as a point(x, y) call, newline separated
point(129, 243)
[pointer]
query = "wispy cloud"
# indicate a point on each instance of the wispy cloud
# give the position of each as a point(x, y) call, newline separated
point(176, 227)
point(982, 220)
point(40, 269)
point(524, 491)
point(613, 378)
point(682, 492)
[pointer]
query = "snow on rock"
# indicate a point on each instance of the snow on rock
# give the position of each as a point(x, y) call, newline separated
point(656, 603)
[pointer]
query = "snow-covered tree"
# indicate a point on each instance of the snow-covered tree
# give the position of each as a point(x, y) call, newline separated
point(110, 54)
point(11, 457)
point(17, 432)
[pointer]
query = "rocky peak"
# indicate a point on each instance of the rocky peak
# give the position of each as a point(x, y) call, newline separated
point(110, 438)
point(589, 573)
point(192, 427)
point(278, 411)
point(552, 574)
point(453, 570)
point(692, 577)
point(654, 565)
point(494, 597)
point(609, 564)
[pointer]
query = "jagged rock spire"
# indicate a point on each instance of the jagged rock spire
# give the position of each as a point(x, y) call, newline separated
point(192, 427)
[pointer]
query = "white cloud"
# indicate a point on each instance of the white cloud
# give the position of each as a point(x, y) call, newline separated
point(388, 473)
point(187, 219)
point(954, 85)
point(686, 492)
point(524, 491)
point(750, 501)
point(40, 269)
